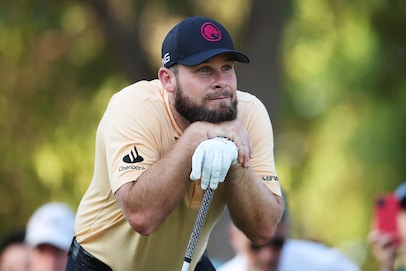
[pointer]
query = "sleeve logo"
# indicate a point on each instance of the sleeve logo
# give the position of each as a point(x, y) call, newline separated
point(270, 178)
point(133, 157)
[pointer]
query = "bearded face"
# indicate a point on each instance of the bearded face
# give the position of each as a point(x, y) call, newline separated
point(192, 111)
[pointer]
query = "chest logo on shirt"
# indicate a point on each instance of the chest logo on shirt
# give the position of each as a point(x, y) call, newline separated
point(133, 157)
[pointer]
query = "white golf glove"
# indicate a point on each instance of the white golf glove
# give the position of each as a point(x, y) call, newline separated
point(211, 161)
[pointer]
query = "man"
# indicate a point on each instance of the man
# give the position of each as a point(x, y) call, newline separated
point(49, 233)
point(14, 253)
point(283, 253)
point(155, 138)
point(387, 248)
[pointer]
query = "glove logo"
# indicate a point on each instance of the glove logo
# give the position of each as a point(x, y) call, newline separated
point(133, 157)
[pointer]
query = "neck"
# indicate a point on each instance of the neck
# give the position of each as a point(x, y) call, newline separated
point(180, 120)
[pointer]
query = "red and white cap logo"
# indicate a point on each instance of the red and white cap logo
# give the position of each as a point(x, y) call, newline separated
point(210, 32)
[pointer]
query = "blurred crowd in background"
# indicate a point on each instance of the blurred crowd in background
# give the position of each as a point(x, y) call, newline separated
point(43, 245)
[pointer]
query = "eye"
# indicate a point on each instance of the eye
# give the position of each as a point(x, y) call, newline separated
point(227, 67)
point(204, 69)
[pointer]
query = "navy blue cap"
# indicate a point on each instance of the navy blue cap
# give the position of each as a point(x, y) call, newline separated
point(195, 40)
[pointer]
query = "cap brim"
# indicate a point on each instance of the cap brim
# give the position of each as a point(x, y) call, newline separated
point(49, 236)
point(201, 57)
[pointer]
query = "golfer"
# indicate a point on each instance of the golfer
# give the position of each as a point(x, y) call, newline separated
point(161, 143)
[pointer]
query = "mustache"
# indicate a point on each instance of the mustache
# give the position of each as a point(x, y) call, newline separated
point(223, 93)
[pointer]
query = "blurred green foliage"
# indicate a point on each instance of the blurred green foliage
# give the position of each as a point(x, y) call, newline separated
point(339, 134)
point(343, 124)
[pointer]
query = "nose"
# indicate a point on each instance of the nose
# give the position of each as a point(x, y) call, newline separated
point(220, 80)
point(219, 85)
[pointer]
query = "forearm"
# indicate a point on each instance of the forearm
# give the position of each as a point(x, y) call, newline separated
point(147, 201)
point(253, 207)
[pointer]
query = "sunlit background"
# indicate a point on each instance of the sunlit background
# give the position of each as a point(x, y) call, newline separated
point(331, 73)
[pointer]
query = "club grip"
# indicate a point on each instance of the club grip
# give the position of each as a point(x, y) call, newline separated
point(199, 222)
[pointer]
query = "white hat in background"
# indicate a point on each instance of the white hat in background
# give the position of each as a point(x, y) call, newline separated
point(53, 224)
point(308, 255)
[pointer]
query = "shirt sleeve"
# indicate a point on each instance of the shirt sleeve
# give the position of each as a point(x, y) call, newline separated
point(131, 135)
point(255, 118)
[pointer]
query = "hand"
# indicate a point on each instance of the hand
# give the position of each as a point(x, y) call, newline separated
point(234, 131)
point(211, 161)
point(384, 248)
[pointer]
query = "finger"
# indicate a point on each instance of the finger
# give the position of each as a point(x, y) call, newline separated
point(197, 160)
point(216, 169)
point(224, 170)
point(206, 176)
point(214, 184)
point(206, 169)
point(244, 146)
point(244, 154)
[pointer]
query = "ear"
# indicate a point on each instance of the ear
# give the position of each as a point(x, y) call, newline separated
point(167, 78)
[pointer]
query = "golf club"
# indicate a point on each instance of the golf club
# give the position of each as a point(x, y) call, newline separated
point(197, 228)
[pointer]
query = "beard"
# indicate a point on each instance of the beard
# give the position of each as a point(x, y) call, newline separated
point(192, 111)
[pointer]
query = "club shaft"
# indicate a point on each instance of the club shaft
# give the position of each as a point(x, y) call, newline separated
point(185, 266)
point(197, 228)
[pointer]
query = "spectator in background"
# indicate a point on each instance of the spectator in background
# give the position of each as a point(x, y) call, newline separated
point(49, 232)
point(14, 253)
point(391, 253)
point(283, 253)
